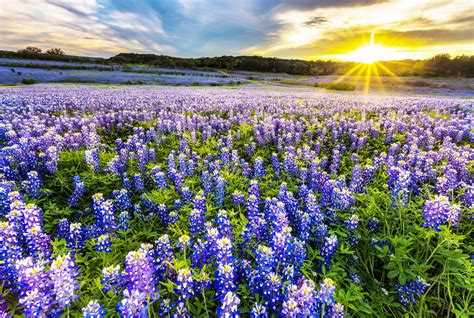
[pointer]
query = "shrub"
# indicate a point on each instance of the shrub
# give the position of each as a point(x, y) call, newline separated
point(28, 81)
point(337, 86)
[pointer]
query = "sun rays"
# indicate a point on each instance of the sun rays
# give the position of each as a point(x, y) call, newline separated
point(369, 65)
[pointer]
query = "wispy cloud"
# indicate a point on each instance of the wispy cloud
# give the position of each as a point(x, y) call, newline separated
point(286, 28)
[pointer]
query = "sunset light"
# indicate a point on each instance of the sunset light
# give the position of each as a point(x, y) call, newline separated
point(371, 53)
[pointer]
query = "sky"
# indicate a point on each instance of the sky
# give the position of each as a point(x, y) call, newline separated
point(303, 29)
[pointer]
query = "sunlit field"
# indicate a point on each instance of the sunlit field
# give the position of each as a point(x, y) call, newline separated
point(154, 201)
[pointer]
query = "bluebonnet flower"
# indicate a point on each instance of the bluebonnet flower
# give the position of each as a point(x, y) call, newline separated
point(75, 239)
point(181, 311)
point(336, 197)
point(200, 254)
point(92, 159)
point(124, 221)
point(138, 212)
point(138, 182)
point(103, 244)
point(200, 203)
point(352, 223)
point(206, 182)
point(35, 286)
point(134, 304)
point(163, 213)
point(448, 181)
point(177, 205)
point(52, 158)
point(313, 210)
point(141, 158)
point(467, 198)
point(335, 161)
point(79, 189)
point(224, 250)
point(3, 308)
point(225, 279)
point(259, 168)
point(357, 181)
point(303, 174)
point(122, 199)
point(10, 252)
point(303, 225)
point(238, 198)
point(165, 307)
point(399, 181)
point(229, 306)
point(37, 242)
point(162, 256)
point(254, 189)
point(185, 284)
point(220, 191)
point(173, 217)
point(196, 222)
point(94, 310)
point(325, 294)
point(177, 179)
point(355, 278)
point(182, 164)
point(328, 249)
point(291, 309)
point(104, 213)
point(409, 292)
point(438, 211)
point(63, 275)
point(139, 272)
point(373, 224)
point(259, 311)
point(225, 157)
point(186, 194)
point(126, 183)
point(291, 167)
point(183, 242)
point(246, 169)
point(160, 178)
point(275, 164)
point(253, 207)
point(33, 185)
point(272, 290)
point(336, 311)
point(223, 224)
point(112, 279)
point(301, 300)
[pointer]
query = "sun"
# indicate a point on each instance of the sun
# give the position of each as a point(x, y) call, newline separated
point(369, 60)
point(370, 53)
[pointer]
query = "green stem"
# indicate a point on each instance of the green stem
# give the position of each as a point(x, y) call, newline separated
point(205, 303)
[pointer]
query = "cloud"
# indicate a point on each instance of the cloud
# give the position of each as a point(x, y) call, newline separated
point(312, 4)
point(296, 28)
point(315, 21)
point(409, 24)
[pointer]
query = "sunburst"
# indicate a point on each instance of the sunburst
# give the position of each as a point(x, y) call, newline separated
point(369, 65)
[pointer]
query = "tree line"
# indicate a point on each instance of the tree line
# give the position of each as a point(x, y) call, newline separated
point(439, 65)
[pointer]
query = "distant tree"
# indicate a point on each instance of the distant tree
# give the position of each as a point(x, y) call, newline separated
point(30, 50)
point(438, 65)
point(55, 51)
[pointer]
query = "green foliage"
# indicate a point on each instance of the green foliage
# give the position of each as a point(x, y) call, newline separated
point(28, 81)
point(340, 86)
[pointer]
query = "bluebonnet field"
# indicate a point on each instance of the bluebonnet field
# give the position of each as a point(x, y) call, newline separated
point(13, 71)
point(152, 201)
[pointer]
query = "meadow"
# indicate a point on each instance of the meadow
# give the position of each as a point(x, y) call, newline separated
point(153, 201)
